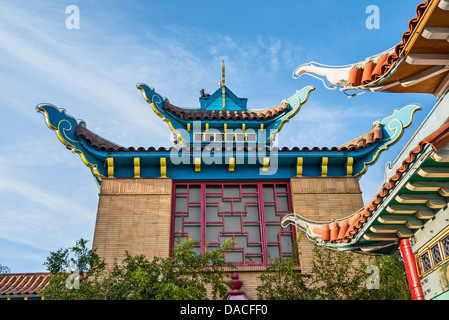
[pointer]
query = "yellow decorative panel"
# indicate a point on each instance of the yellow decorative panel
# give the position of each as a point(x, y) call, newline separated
point(137, 167)
point(110, 167)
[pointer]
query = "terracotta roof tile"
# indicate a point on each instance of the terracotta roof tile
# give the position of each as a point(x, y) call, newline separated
point(439, 138)
point(344, 230)
point(22, 283)
point(199, 114)
point(372, 136)
point(374, 69)
point(94, 140)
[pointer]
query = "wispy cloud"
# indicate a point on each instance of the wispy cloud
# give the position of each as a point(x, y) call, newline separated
point(40, 217)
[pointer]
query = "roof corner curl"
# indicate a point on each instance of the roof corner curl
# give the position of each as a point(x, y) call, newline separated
point(393, 128)
point(314, 230)
point(65, 127)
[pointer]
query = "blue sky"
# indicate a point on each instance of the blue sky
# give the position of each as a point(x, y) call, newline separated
point(48, 198)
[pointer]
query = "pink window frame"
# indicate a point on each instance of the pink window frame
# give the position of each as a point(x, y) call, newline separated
point(262, 222)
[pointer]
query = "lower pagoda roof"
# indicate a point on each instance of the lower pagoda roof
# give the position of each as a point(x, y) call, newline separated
point(371, 137)
point(412, 196)
point(222, 160)
point(22, 284)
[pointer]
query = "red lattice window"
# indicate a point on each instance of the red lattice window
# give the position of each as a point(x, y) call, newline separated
point(248, 213)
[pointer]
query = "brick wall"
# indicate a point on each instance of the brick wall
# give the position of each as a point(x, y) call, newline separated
point(323, 199)
point(133, 215)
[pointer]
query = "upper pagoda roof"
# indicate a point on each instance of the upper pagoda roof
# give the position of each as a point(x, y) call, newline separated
point(244, 115)
point(223, 111)
point(374, 135)
point(418, 63)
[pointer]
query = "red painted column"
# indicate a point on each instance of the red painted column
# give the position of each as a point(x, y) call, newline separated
point(410, 268)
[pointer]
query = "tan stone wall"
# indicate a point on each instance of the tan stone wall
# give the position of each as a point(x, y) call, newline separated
point(133, 215)
point(323, 199)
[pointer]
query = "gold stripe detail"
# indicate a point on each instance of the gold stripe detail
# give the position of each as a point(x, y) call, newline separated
point(349, 164)
point(243, 127)
point(197, 164)
point(188, 127)
point(266, 163)
point(324, 162)
point(231, 164)
point(137, 167)
point(163, 163)
point(207, 126)
point(110, 167)
point(299, 162)
point(225, 127)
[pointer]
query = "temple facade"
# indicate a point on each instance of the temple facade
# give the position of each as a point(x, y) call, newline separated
point(224, 178)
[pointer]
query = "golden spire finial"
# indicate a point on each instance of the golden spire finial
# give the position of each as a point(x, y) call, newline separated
point(222, 72)
point(223, 90)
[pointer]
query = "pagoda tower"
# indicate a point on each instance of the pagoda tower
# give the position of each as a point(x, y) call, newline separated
point(223, 178)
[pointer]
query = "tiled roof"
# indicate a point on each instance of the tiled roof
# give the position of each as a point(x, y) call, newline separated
point(372, 136)
point(343, 231)
point(373, 69)
point(200, 114)
point(96, 141)
point(22, 283)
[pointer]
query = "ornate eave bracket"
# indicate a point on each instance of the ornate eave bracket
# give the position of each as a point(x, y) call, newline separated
point(295, 102)
point(393, 128)
point(64, 127)
point(156, 101)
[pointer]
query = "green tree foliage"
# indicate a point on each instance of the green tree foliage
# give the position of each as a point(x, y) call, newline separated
point(283, 281)
point(393, 279)
point(336, 275)
point(184, 275)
